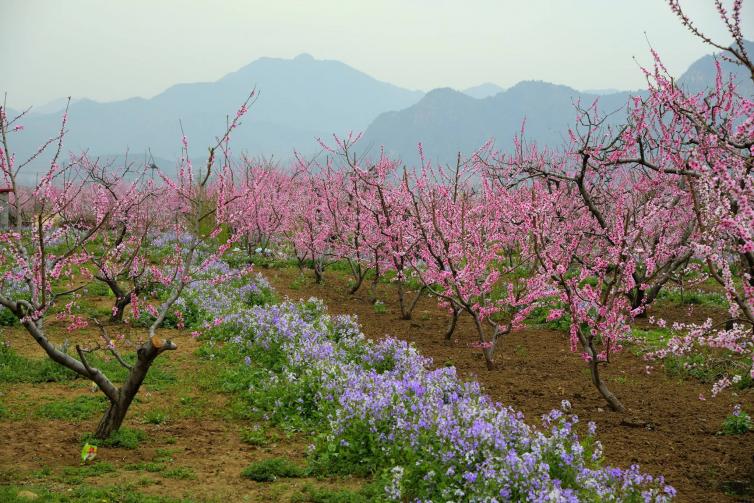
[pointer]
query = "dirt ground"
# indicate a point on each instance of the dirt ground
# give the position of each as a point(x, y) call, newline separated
point(667, 429)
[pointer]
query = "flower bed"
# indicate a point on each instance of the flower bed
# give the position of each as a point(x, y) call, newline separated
point(379, 409)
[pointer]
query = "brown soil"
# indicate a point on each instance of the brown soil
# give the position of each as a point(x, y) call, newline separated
point(666, 429)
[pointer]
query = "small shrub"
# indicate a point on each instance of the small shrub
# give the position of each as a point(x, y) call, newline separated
point(270, 470)
point(738, 423)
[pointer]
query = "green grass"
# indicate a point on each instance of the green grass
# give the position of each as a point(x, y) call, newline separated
point(155, 416)
point(15, 368)
point(311, 494)
point(126, 438)
point(379, 307)
point(182, 473)
point(272, 469)
point(144, 466)
point(80, 494)
point(257, 436)
point(80, 408)
point(652, 338)
point(7, 318)
point(76, 474)
point(693, 298)
point(98, 289)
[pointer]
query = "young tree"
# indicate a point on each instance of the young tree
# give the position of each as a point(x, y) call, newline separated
point(309, 228)
point(462, 249)
point(264, 204)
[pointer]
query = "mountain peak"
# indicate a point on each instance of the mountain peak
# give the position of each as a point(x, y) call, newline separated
point(483, 90)
point(304, 57)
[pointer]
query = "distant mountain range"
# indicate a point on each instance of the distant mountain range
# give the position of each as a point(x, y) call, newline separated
point(483, 90)
point(302, 99)
point(447, 121)
point(701, 74)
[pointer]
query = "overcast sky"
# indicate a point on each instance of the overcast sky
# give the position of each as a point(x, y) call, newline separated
point(108, 50)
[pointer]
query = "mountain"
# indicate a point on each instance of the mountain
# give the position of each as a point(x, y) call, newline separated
point(53, 107)
point(601, 92)
point(304, 98)
point(298, 101)
point(702, 73)
point(483, 90)
point(447, 121)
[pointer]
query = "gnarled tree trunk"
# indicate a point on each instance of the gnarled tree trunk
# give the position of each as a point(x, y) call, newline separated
point(116, 412)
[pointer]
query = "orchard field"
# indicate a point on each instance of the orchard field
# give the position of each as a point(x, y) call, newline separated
point(571, 324)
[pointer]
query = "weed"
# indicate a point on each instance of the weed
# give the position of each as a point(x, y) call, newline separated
point(257, 436)
point(182, 473)
point(270, 470)
point(311, 494)
point(155, 417)
point(82, 493)
point(76, 474)
point(737, 423)
point(145, 467)
point(379, 307)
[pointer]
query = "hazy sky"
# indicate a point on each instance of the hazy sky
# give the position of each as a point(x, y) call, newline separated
point(109, 50)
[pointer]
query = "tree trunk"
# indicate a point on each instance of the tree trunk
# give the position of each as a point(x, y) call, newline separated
point(452, 323)
point(358, 275)
point(637, 300)
point(407, 310)
point(356, 285)
point(488, 352)
point(373, 290)
point(612, 400)
point(317, 272)
point(402, 301)
point(120, 306)
point(116, 412)
point(111, 421)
